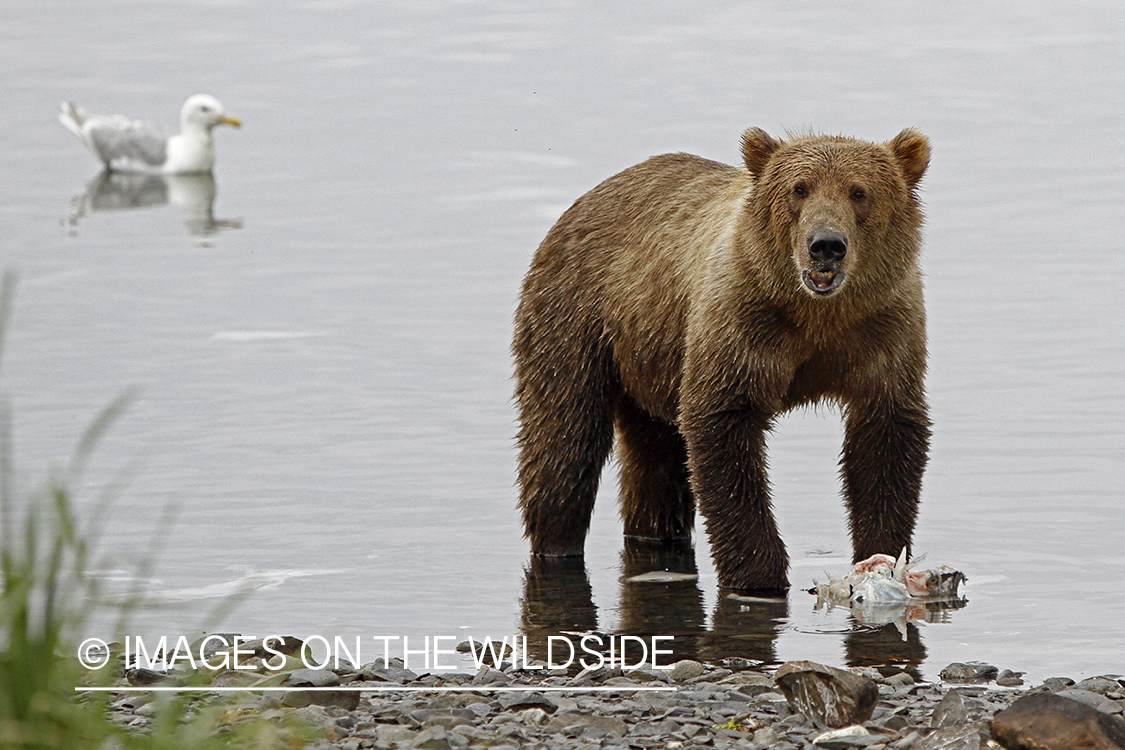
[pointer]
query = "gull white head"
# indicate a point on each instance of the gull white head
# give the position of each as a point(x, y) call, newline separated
point(203, 112)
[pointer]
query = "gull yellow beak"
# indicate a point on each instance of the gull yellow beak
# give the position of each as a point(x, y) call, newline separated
point(228, 120)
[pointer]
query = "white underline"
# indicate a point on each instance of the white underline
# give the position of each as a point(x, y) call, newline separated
point(388, 689)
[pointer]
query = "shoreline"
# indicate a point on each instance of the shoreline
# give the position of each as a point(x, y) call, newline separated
point(383, 706)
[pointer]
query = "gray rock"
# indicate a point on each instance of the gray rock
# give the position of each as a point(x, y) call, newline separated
point(592, 675)
point(288, 645)
point(147, 710)
point(319, 717)
point(311, 678)
point(1046, 721)
point(565, 722)
point(738, 662)
point(766, 736)
point(532, 716)
point(870, 673)
point(624, 682)
point(392, 671)
point(235, 678)
point(143, 677)
point(1101, 685)
point(345, 699)
point(433, 738)
point(469, 731)
point(853, 736)
point(488, 676)
point(750, 683)
point(458, 678)
point(648, 675)
point(1008, 678)
point(269, 702)
point(902, 679)
point(447, 717)
point(1091, 699)
point(685, 670)
point(216, 642)
point(712, 676)
point(951, 711)
point(1055, 684)
point(480, 708)
point(448, 700)
point(392, 733)
point(963, 737)
point(833, 697)
point(523, 701)
point(449, 722)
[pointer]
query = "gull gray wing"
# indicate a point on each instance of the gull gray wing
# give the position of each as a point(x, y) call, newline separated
point(119, 140)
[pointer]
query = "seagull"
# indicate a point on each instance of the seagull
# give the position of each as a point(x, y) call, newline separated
point(126, 145)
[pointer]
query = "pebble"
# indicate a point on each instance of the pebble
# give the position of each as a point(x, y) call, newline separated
point(729, 706)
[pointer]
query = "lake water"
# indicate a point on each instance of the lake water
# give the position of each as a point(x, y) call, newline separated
point(322, 354)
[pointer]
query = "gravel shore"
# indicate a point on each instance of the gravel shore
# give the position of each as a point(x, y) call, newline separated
point(734, 704)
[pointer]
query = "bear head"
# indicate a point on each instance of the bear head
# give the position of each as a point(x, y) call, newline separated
point(837, 208)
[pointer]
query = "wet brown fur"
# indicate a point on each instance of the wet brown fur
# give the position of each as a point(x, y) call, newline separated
point(668, 304)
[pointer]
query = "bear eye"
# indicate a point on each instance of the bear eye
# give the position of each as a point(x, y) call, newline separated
point(858, 194)
point(801, 190)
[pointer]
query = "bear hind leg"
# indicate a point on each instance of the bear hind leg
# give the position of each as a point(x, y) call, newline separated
point(656, 498)
point(566, 434)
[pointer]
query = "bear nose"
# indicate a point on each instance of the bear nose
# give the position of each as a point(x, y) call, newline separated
point(827, 246)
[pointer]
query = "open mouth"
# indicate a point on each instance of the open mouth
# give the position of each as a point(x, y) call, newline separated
point(823, 283)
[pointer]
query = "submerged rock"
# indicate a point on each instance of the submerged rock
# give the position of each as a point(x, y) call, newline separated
point(1008, 678)
point(972, 673)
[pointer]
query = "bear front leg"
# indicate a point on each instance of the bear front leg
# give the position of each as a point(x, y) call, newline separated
point(726, 454)
point(886, 445)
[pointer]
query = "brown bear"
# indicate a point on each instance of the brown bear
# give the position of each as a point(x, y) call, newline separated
point(687, 304)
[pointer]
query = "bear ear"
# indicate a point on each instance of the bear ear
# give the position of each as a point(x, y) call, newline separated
point(757, 146)
point(912, 149)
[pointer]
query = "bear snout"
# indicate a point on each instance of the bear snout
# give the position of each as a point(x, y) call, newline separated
point(828, 247)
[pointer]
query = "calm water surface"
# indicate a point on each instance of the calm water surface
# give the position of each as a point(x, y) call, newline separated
point(320, 334)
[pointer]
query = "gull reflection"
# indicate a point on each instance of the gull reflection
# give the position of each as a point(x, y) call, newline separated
point(193, 193)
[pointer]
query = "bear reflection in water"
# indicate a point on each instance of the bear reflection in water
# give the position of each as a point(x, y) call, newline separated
point(558, 599)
